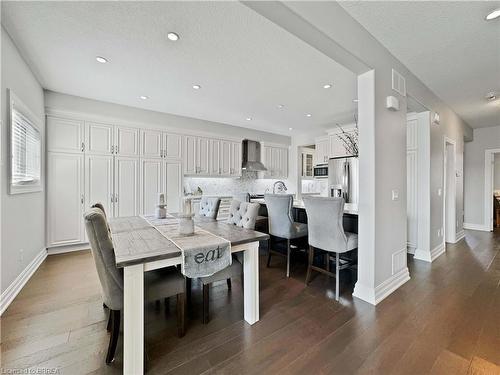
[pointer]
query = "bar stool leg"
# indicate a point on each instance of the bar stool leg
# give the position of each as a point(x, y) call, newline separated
point(337, 265)
point(269, 252)
point(288, 249)
point(309, 265)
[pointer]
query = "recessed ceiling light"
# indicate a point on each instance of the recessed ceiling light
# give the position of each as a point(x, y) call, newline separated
point(173, 36)
point(308, 115)
point(248, 119)
point(355, 100)
point(492, 15)
point(196, 87)
point(327, 86)
point(290, 129)
point(101, 59)
point(144, 97)
point(281, 106)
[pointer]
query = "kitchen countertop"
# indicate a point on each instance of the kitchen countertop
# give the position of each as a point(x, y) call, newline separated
point(349, 208)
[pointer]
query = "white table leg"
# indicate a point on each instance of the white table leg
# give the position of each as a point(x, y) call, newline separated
point(251, 282)
point(133, 320)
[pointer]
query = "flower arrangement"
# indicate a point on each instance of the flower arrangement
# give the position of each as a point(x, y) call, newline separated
point(350, 138)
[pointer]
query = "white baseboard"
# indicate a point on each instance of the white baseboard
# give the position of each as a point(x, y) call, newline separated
point(67, 249)
point(430, 256)
point(481, 227)
point(13, 289)
point(383, 290)
point(460, 235)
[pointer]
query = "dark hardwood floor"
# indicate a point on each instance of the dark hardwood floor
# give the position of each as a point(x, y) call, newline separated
point(445, 320)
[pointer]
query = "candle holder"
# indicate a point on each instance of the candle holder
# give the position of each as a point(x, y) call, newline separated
point(186, 224)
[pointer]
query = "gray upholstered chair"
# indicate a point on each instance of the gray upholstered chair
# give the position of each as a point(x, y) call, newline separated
point(281, 224)
point(243, 215)
point(209, 207)
point(261, 221)
point(326, 232)
point(158, 284)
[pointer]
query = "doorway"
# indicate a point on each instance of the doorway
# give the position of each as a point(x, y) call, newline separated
point(449, 189)
point(492, 189)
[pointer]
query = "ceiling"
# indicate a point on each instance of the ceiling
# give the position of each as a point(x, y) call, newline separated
point(447, 45)
point(245, 64)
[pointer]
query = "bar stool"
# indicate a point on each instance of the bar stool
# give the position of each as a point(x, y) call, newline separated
point(209, 207)
point(326, 232)
point(281, 224)
point(261, 222)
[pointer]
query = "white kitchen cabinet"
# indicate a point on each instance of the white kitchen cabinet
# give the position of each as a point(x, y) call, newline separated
point(173, 185)
point(126, 141)
point(190, 143)
point(307, 163)
point(235, 159)
point(202, 156)
point(65, 135)
point(275, 159)
point(65, 199)
point(99, 138)
point(225, 158)
point(151, 143)
point(215, 157)
point(172, 146)
point(322, 151)
point(99, 181)
point(151, 184)
point(337, 148)
point(126, 192)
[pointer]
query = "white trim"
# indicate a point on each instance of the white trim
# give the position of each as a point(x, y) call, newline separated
point(447, 235)
point(430, 256)
point(67, 248)
point(488, 188)
point(85, 116)
point(376, 295)
point(17, 285)
point(460, 236)
point(471, 226)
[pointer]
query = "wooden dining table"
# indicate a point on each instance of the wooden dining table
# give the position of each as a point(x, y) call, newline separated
point(140, 247)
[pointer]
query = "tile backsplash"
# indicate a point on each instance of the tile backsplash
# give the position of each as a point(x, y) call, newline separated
point(319, 186)
point(248, 182)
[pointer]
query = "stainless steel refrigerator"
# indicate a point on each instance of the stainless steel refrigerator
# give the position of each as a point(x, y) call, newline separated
point(343, 178)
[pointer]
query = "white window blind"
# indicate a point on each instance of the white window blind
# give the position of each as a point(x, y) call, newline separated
point(25, 151)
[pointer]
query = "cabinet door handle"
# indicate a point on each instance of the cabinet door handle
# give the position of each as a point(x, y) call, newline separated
point(116, 198)
point(82, 200)
point(83, 146)
point(165, 153)
point(112, 149)
point(112, 198)
point(117, 149)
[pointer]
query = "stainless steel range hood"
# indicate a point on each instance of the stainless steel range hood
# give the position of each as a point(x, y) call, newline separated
point(251, 156)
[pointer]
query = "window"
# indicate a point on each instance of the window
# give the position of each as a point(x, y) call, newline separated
point(25, 149)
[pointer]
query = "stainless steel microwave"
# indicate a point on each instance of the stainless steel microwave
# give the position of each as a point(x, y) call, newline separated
point(320, 171)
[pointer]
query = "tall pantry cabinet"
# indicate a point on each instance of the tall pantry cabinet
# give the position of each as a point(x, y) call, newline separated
point(124, 168)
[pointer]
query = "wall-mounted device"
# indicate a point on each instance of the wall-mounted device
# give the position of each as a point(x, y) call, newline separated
point(435, 118)
point(392, 103)
point(320, 171)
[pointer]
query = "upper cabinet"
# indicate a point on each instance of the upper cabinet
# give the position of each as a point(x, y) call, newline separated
point(65, 135)
point(158, 144)
point(322, 153)
point(331, 146)
point(172, 146)
point(275, 159)
point(126, 141)
point(99, 138)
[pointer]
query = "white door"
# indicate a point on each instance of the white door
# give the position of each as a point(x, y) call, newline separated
point(99, 181)
point(202, 156)
point(126, 141)
point(151, 144)
point(65, 198)
point(215, 157)
point(190, 155)
point(173, 185)
point(126, 195)
point(172, 146)
point(235, 159)
point(225, 158)
point(151, 184)
point(65, 135)
point(98, 138)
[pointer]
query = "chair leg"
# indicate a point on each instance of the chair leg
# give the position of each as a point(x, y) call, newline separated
point(206, 297)
point(110, 322)
point(269, 252)
point(288, 250)
point(309, 264)
point(181, 314)
point(337, 265)
point(327, 261)
point(157, 305)
point(115, 332)
point(228, 281)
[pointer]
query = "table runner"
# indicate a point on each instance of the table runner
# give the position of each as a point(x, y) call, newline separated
point(203, 253)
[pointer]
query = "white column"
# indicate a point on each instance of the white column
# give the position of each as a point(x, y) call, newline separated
point(133, 320)
point(251, 282)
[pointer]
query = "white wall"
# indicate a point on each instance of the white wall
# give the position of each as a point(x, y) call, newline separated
point(23, 215)
point(484, 138)
point(496, 173)
point(58, 101)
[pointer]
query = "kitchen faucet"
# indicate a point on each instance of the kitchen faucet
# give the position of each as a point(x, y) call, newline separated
point(281, 187)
